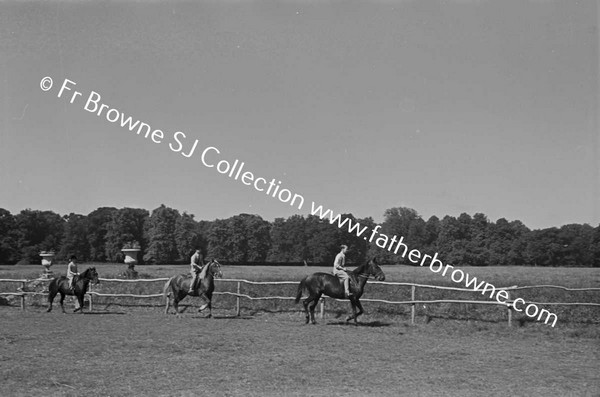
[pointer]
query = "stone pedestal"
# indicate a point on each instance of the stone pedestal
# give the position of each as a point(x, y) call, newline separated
point(47, 258)
point(131, 257)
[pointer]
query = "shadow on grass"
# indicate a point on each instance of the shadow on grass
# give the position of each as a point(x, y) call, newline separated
point(233, 317)
point(375, 324)
point(88, 313)
point(220, 317)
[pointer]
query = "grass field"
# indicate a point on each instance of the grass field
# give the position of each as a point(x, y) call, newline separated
point(122, 353)
point(130, 348)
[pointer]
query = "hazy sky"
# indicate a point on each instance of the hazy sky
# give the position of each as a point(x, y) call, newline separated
point(444, 107)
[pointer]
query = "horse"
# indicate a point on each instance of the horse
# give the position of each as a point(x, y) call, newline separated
point(318, 284)
point(178, 286)
point(80, 287)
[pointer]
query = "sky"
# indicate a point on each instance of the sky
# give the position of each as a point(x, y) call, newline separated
point(441, 106)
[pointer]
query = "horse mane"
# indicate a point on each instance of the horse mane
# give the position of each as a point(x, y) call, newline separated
point(362, 268)
point(87, 273)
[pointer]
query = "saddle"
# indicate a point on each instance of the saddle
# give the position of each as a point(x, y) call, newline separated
point(352, 281)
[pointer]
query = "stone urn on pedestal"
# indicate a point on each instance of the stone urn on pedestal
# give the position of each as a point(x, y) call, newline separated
point(47, 257)
point(131, 258)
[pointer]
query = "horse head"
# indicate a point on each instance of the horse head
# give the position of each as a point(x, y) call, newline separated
point(91, 274)
point(215, 269)
point(374, 270)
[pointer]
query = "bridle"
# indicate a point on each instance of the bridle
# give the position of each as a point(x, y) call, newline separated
point(91, 276)
point(218, 273)
point(370, 274)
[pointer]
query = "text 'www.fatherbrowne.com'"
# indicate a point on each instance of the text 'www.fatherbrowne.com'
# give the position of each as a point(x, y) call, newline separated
point(398, 247)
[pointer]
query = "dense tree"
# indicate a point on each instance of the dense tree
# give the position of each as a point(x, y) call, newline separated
point(516, 254)
point(577, 246)
point(476, 241)
point(404, 223)
point(9, 249)
point(241, 238)
point(288, 242)
point(323, 240)
point(258, 238)
point(595, 247)
point(450, 247)
point(98, 224)
point(202, 231)
point(168, 236)
point(126, 226)
point(160, 236)
point(543, 247)
point(432, 231)
point(38, 231)
point(75, 240)
point(359, 246)
point(187, 236)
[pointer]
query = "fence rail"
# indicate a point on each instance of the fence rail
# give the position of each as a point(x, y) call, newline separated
point(508, 303)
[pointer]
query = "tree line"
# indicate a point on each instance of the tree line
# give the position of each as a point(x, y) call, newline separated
point(166, 235)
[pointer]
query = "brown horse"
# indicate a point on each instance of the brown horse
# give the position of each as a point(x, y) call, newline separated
point(80, 287)
point(178, 286)
point(318, 284)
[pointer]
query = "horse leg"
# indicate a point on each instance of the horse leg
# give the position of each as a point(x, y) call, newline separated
point(360, 311)
point(305, 302)
point(203, 298)
point(209, 307)
point(167, 304)
point(312, 308)
point(80, 301)
point(354, 315)
point(62, 299)
point(51, 296)
point(178, 297)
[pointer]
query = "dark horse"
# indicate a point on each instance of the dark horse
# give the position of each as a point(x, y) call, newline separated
point(318, 284)
point(179, 286)
point(80, 284)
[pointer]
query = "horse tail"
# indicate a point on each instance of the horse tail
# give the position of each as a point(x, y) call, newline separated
point(52, 289)
point(300, 289)
point(166, 288)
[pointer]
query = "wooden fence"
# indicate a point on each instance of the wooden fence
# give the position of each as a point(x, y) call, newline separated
point(509, 304)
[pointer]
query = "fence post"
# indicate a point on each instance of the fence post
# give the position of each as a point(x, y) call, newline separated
point(237, 304)
point(509, 308)
point(412, 309)
point(322, 314)
point(23, 295)
point(90, 296)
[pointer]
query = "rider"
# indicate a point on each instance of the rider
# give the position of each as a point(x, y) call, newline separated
point(196, 265)
point(72, 271)
point(340, 270)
